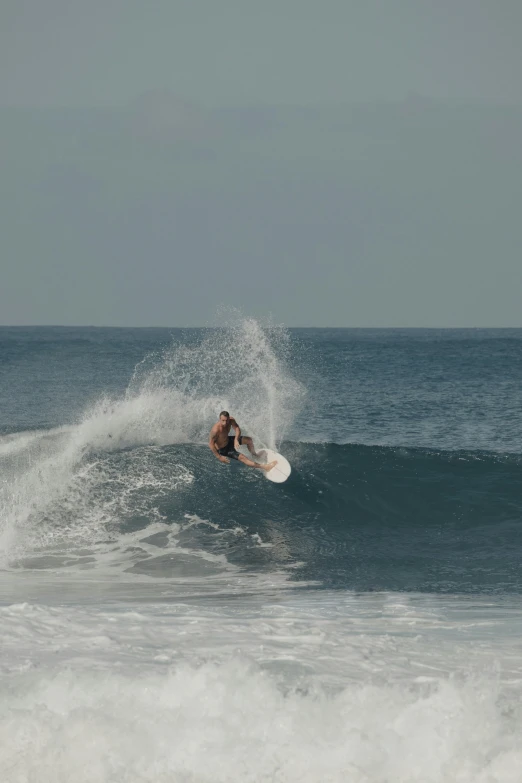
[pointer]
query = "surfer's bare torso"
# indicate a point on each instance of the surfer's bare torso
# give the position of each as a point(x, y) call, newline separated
point(221, 432)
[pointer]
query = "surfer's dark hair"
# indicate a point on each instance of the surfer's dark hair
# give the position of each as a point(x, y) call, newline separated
point(224, 413)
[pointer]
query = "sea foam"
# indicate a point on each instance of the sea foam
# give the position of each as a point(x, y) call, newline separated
point(268, 693)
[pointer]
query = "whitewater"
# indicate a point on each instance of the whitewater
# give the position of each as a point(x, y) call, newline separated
point(164, 617)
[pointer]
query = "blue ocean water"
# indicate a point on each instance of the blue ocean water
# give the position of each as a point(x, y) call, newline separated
point(360, 622)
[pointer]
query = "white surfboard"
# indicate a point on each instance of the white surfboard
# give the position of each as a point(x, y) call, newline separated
point(279, 472)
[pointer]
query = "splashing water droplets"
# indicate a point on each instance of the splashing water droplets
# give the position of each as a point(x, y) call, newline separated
point(241, 368)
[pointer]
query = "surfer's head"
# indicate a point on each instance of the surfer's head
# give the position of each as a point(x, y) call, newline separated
point(224, 416)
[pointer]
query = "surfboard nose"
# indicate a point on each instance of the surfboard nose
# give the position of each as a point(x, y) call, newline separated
point(281, 470)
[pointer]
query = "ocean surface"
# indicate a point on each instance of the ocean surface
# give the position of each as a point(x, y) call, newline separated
point(165, 617)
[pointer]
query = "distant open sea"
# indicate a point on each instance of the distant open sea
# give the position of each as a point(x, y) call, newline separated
point(165, 617)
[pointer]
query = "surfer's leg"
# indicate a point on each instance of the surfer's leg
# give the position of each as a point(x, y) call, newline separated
point(252, 464)
point(249, 443)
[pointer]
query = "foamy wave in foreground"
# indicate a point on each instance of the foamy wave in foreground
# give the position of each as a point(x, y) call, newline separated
point(319, 688)
point(232, 723)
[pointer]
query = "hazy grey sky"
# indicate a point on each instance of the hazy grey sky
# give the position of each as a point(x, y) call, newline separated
point(78, 52)
point(155, 161)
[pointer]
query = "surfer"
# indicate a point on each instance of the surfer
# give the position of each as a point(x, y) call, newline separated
point(224, 445)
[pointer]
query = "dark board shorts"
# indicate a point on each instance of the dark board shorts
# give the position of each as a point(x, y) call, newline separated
point(229, 450)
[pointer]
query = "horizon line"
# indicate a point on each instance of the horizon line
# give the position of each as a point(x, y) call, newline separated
point(218, 326)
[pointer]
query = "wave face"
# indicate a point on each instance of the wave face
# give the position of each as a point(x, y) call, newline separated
point(357, 517)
